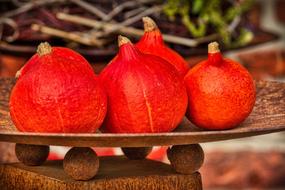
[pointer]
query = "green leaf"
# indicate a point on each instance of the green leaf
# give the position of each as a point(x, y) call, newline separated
point(197, 6)
point(244, 38)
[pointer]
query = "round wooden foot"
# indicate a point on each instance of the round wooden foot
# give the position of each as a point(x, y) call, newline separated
point(32, 155)
point(186, 159)
point(81, 163)
point(136, 153)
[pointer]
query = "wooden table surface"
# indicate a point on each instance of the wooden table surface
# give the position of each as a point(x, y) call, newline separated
point(115, 173)
point(268, 116)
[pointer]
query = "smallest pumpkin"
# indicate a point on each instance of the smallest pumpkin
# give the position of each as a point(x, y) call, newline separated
point(221, 92)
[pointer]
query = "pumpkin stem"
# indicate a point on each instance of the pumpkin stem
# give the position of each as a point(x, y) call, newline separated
point(214, 55)
point(123, 40)
point(149, 24)
point(44, 48)
point(213, 47)
point(18, 73)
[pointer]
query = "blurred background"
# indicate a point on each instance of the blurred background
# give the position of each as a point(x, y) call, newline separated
point(249, 31)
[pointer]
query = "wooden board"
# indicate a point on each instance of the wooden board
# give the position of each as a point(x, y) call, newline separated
point(115, 173)
point(268, 116)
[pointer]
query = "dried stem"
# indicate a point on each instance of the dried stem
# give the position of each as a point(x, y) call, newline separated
point(234, 24)
point(81, 20)
point(18, 3)
point(16, 48)
point(28, 6)
point(123, 40)
point(129, 21)
point(149, 11)
point(10, 22)
point(213, 47)
point(123, 29)
point(89, 7)
point(121, 7)
point(149, 24)
point(44, 48)
point(206, 39)
point(18, 73)
point(134, 12)
point(77, 37)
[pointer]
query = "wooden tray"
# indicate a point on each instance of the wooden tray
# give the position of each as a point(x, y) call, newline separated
point(268, 116)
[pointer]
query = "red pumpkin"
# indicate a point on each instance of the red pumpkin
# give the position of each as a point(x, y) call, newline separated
point(152, 43)
point(57, 91)
point(145, 93)
point(221, 92)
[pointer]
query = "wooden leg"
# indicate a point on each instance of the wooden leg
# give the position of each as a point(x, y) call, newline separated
point(136, 153)
point(32, 155)
point(81, 163)
point(186, 159)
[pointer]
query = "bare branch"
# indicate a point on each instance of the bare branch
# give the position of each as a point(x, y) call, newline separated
point(134, 12)
point(28, 6)
point(89, 7)
point(123, 29)
point(149, 11)
point(121, 7)
point(13, 25)
point(77, 37)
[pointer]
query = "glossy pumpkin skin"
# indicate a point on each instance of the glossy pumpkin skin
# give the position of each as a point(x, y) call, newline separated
point(221, 93)
point(58, 92)
point(152, 43)
point(145, 93)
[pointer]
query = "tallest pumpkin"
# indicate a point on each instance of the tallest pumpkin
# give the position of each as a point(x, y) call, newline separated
point(152, 43)
point(145, 93)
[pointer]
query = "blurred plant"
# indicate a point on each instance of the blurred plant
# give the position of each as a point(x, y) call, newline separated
point(220, 16)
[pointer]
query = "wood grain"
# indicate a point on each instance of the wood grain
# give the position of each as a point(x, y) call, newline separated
point(268, 116)
point(116, 173)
